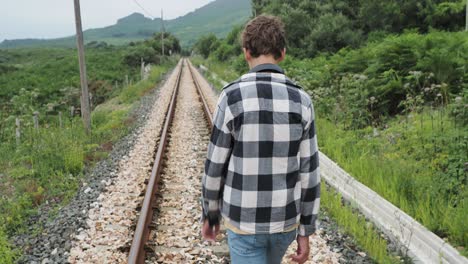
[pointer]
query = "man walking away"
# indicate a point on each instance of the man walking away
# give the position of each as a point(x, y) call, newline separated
point(261, 173)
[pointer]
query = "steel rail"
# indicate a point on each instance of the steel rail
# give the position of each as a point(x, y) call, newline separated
point(137, 251)
point(206, 108)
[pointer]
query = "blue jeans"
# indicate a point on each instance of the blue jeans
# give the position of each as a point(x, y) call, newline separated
point(259, 249)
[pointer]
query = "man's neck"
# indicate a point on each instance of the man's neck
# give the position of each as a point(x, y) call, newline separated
point(262, 59)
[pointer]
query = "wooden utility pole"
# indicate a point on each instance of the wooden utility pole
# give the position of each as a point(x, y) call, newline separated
point(162, 32)
point(85, 109)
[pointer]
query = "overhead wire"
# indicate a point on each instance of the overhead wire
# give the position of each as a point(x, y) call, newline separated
point(144, 10)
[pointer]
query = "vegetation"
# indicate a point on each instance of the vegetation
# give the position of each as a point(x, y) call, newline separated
point(46, 79)
point(8, 255)
point(354, 224)
point(390, 87)
point(150, 50)
point(416, 163)
point(396, 75)
point(46, 166)
point(218, 68)
point(336, 24)
point(48, 75)
point(217, 17)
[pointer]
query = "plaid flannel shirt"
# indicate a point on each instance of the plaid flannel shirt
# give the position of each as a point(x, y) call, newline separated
point(262, 171)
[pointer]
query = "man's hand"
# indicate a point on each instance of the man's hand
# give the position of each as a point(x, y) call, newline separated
point(303, 249)
point(209, 233)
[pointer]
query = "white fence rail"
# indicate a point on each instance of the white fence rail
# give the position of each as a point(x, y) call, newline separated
point(423, 245)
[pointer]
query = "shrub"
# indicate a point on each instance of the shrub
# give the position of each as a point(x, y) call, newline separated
point(395, 68)
point(7, 255)
point(206, 44)
point(224, 52)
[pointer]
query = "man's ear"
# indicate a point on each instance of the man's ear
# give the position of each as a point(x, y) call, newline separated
point(247, 54)
point(283, 55)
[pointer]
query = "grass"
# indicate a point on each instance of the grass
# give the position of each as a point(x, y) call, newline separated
point(412, 164)
point(354, 224)
point(223, 72)
point(48, 164)
point(8, 255)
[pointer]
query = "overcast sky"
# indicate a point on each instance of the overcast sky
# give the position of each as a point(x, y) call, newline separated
point(55, 18)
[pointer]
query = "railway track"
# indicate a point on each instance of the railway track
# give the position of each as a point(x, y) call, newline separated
point(166, 232)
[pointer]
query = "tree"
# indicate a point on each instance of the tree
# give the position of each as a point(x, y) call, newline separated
point(206, 44)
point(150, 49)
point(335, 24)
point(448, 15)
point(224, 52)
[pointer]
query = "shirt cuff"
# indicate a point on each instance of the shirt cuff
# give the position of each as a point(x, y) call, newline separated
point(306, 230)
point(214, 218)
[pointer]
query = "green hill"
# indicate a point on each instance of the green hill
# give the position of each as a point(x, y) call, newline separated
point(217, 17)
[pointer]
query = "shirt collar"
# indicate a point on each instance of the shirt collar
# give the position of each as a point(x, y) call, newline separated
point(267, 67)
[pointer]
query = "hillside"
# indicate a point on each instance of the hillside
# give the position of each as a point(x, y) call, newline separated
point(217, 17)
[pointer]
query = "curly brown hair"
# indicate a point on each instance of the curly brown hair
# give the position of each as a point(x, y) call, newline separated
point(264, 35)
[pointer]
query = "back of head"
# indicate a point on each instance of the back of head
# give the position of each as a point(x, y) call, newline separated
point(264, 35)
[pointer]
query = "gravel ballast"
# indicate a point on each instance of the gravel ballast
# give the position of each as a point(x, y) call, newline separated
point(54, 241)
point(111, 216)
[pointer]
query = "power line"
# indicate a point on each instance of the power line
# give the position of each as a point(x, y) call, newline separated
point(144, 10)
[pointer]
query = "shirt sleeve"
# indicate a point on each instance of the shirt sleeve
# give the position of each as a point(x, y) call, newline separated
point(309, 176)
point(216, 164)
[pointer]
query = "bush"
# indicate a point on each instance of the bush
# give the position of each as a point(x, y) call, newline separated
point(224, 52)
point(136, 53)
point(331, 33)
point(393, 72)
point(7, 255)
point(240, 65)
point(206, 44)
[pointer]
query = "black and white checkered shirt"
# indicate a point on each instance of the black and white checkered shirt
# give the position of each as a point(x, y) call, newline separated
point(262, 171)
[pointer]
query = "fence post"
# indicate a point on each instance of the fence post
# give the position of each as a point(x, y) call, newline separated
point(60, 120)
point(36, 120)
point(142, 70)
point(126, 80)
point(72, 111)
point(90, 101)
point(18, 131)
